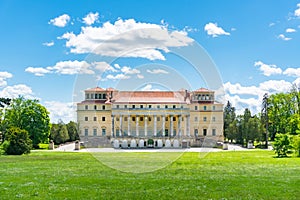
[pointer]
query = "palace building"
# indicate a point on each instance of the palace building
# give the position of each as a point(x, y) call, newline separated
point(111, 117)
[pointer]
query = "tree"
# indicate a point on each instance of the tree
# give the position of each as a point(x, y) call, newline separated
point(4, 102)
point(59, 132)
point(17, 142)
point(73, 131)
point(233, 131)
point(296, 144)
point(281, 145)
point(229, 117)
point(28, 115)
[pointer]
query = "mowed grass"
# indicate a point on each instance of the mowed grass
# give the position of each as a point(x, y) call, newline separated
point(220, 175)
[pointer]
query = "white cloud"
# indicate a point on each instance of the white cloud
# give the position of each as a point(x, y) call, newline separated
point(238, 94)
point(37, 71)
point(91, 18)
point(126, 38)
point(61, 110)
point(149, 87)
point(48, 44)
point(213, 30)
point(117, 77)
point(60, 21)
point(283, 37)
point(72, 67)
point(290, 30)
point(297, 11)
point(271, 24)
point(103, 67)
point(268, 70)
point(157, 71)
point(15, 91)
point(117, 66)
point(140, 76)
point(128, 70)
point(3, 77)
point(292, 72)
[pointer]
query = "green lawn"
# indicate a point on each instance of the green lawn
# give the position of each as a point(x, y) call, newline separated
point(221, 175)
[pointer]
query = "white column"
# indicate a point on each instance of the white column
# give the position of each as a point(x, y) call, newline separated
point(179, 126)
point(113, 125)
point(146, 119)
point(137, 125)
point(188, 125)
point(155, 124)
point(128, 130)
point(163, 125)
point(121, 123)
point(171, 125)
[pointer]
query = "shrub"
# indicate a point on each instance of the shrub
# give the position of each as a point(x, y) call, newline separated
point(17, 142)
point(281, 145)
point(296, 144)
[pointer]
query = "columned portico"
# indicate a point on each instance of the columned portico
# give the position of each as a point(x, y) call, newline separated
point(137, 125)
point(128, 125)
point(146, 125)
point(155, 125)
point(179, 126)
point(121, 124)
point(163, 125)
point(171, 125)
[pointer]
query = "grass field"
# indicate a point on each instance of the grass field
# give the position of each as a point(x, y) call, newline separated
point(220, 175)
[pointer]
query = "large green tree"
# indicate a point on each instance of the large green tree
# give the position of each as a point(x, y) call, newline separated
point(59, 132)
point(229, 117)
point(72, 131)
point(28, 115)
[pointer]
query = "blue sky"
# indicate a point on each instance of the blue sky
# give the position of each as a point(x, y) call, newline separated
point(48, 46)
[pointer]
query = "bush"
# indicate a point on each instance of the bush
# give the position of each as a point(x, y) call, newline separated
point(281, 145)
point(17, 142)
point(296, 144)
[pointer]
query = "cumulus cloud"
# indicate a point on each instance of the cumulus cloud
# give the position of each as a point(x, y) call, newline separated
point(283, 37)
point(15, 91)
point(128, 70)
point(266, 69)
point(71, 67)
point(61, 110)
point(37, 71)
point(60, 21)
point(3, 77)
point(103, 67)
point(290, 30)
point(292, 72)
point(91, 18)
point(238, 95)
point(149, 87)
point(126, 38)
point(117, 77)
point(48, 44)
point(157, 71)
point(213, 30)
point(297, 11)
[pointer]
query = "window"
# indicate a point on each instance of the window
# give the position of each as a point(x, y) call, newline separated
point(92, 96)
point(158, 118)
point(174, 106)
point(149, 106)
point(158, 106)
point(95, 119)
point(196, 119)
point(141, 119)
point(117, 119)
point(214, 107)
point(87, 96)
point(118, 106)
point(149, 119)
point(196, 132)
point(174, 118)
point(86, 132)
point(181, 106)
point(204, 119)
point(213, 132)
point(133, 106)
point(167, 118)
point(100, 96)
point(103, 119)
point(204, 107)
point(141, 106)
point(96, 96)
point(103, 107)
point(166, 106)
point(125, 119)
point(204, 132)
point(95, 107)
point(103, 132)
point(86, 107)
point(86, 119)
point(95, 132)
point(133, 118)
point(104, 96)
point(196, 107)
point(213, 119)
point(125, 106)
